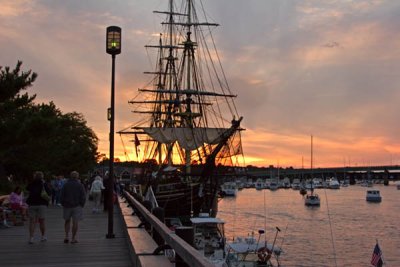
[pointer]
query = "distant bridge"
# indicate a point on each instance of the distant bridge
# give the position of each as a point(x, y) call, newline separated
point(357, 172)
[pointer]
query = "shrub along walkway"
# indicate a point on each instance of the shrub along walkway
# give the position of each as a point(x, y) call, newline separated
point(93, 249)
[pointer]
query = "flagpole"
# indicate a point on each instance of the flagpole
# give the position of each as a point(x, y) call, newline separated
point(383, 261)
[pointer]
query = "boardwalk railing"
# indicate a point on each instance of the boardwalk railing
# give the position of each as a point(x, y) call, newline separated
point(189, 254)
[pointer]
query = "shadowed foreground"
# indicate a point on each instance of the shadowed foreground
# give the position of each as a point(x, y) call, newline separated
point(93, 248)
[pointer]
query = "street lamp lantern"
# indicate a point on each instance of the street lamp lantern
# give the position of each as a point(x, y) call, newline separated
point(113, 44)
point(113, 47)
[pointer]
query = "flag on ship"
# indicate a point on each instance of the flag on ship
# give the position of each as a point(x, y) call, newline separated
point(137, 144)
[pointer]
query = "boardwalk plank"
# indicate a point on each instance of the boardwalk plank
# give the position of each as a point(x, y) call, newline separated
point(93, 249)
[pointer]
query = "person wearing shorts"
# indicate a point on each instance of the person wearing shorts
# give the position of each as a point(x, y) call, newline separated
point(37, 206)
point(72, 198)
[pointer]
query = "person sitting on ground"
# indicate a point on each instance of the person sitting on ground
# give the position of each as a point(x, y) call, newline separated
point(17, 202)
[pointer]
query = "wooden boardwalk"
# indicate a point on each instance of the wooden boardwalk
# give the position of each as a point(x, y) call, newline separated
point(93, 249)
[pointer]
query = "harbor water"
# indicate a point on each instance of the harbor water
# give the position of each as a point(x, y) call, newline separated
point(341, 232)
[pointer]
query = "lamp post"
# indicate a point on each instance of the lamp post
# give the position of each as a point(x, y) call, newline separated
point(113, 47)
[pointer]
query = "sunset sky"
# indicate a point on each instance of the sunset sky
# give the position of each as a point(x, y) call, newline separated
point(327, 68)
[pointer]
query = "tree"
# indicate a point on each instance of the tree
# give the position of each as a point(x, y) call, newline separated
point(39, 136)
point(12, 83)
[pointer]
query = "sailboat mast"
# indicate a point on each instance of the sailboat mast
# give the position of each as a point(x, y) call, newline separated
point(312, 157)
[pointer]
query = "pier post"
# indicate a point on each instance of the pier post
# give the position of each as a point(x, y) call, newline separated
point(187, 234)
point(160, 214)
point(149, 206)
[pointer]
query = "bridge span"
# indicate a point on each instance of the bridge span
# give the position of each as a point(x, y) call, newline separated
point(391, 172)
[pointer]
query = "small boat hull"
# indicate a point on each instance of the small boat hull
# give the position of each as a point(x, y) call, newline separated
point(374, 199)
point(312, 200)
point(373, 196)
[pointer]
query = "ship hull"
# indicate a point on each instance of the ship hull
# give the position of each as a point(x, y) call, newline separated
point(182, 200)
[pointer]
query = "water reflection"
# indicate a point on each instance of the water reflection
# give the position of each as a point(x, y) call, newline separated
point(341, 232)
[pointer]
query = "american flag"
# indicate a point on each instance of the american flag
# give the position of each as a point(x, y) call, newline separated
point(377, 257)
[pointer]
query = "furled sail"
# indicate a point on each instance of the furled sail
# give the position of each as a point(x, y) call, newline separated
point(187, 138)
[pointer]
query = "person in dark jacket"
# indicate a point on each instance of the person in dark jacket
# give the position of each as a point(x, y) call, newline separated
point(72, 198)
point(37, 205)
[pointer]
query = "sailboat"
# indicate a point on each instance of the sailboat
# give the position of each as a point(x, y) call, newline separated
point(312, 199)
point(189, 129)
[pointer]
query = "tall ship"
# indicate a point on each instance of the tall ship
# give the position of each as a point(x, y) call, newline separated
point(188, 129)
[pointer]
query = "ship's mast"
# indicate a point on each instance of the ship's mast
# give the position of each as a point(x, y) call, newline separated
point(187, 51)
point(181, 100)
point(171, 73)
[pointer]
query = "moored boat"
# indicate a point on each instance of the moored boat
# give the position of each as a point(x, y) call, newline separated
point(260, 184)
point(209, 238)
point(373, 195)
point(180, 137)
point(312, 200)
point(296, 184)
point(286, 183)
point(251, 252)
point(273, 185)
point(229, 189)
point(334, 183)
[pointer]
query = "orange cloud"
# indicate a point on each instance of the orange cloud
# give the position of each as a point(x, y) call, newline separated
point(264, 148)
point(12, 8)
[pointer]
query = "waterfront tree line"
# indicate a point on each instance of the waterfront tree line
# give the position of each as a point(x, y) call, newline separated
point(38, 136)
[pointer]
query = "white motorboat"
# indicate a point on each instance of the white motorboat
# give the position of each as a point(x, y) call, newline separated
point(286, 182)
point(317, 183)
point(229, 189)
point(260, 184)
point(249, 183)
point(251, 252)
point(209, 238)
point(334, 184)
point(240, 184)
point(312, 200)
point(296, 184)
point(373, 195)
point(366, 183)
point(273, 185)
